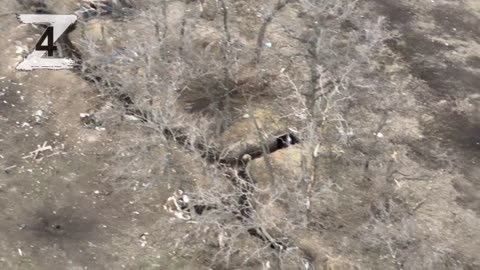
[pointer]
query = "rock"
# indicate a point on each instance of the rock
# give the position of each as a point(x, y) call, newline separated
point(287, 165)
point(244, 130)
point(244, 138)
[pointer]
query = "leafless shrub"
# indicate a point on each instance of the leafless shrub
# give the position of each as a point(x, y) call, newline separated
point(155, 65)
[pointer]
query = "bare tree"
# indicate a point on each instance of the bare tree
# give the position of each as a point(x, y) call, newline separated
point(159, 64)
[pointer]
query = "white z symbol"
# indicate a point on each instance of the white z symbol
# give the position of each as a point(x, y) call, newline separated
point(58, 24)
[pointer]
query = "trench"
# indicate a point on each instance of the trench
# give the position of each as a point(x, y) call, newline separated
point(211, 154)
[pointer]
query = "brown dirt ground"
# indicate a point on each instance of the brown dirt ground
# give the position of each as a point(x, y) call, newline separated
point(65, 211)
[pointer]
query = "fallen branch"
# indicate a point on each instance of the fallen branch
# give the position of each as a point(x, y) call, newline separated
point(40, 149)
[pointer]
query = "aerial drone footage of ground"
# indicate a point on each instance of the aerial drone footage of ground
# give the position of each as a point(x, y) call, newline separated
point(222, 134)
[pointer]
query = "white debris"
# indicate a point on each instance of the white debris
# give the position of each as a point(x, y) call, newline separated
point(316, 150)
point(379, 135)
point(10, 167)
point(19, 50)
point(181, 215)
point(143, 239)
point(38, 113)
point(172, 205)
point(143, 243)
point(20, 252)
point(131, 118)
point(221, 241)
point(293, 130)
point(83, 115)
point(268, 44)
